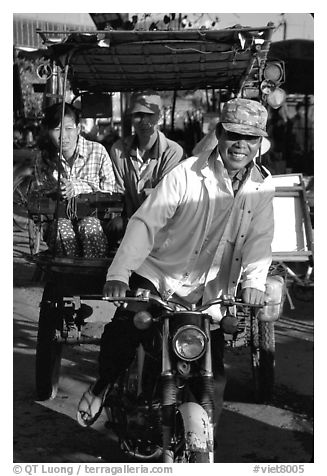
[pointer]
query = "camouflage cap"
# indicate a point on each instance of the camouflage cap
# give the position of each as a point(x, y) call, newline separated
point(244, 116)
point(146, 101)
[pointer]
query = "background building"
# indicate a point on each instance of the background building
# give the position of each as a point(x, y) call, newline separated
point(288, 25)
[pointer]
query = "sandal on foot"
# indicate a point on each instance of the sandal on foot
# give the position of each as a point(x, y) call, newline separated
point(90, 407)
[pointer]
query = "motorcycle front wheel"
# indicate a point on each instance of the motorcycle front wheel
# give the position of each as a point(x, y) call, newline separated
point(263, 359)
point(192, 457)
point(181, 453)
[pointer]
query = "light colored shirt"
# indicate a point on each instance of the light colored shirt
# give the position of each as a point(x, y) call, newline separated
point(142, 165)
point(192, 237)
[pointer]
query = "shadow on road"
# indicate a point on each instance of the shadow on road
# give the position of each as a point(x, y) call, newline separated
point(43, 434)
point(48, 432)
point(248, 440)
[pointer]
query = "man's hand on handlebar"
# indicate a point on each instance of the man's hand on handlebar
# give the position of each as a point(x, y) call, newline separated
point(115, 289)
point(253, 296)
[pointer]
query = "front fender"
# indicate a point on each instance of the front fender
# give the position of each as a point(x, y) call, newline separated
point(198, 430)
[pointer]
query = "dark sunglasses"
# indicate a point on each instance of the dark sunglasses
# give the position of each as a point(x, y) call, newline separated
point(235, 136)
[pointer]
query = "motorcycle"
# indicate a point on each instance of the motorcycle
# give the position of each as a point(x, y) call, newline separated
point(151, 408)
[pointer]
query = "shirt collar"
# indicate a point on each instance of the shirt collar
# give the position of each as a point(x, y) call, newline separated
point(79, 149)
point(153, 152)
point(241, 174)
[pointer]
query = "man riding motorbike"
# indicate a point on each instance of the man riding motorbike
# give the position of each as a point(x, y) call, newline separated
point(209, 221)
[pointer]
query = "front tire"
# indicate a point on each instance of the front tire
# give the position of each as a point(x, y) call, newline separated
point(197, 457)
point(182, 454)
point(263, 359)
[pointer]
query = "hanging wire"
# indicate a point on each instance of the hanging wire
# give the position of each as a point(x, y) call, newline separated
point(71, 208)
point(235, 51)
point(176, 50)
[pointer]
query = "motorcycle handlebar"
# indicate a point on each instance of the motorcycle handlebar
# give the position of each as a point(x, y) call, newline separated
point(145, 297)
point(171, 305)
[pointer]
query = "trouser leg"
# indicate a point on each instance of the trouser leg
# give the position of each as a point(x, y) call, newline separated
point(93, 240)
point(117, 348)
point(64, 242)
point(120, 340)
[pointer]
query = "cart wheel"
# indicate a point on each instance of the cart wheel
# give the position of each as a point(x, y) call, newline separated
point(34, 236)
point(21, 188)
point(303, 292)
point(263, 359)
point(48, 352)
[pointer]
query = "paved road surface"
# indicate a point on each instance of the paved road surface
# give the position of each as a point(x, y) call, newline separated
point(47, 431)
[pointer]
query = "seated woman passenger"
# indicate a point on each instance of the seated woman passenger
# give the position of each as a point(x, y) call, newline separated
point(85, 167)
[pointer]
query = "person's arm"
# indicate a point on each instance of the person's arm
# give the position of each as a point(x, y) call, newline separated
point(256, 253)
point(73, 187)
point(176, 155)
point(173, 155)
point(152, 216)
point(117, 165)
point(107, 176)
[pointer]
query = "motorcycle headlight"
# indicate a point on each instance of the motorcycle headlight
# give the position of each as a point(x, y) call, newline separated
point(189, 343)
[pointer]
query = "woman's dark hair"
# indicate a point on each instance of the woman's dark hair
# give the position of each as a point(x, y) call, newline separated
point(53, 114)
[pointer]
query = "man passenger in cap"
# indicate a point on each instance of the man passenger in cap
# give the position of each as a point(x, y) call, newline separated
point(209, 221)
point(142, 159)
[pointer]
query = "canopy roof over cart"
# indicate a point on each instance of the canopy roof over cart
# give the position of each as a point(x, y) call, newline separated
point(108, 61)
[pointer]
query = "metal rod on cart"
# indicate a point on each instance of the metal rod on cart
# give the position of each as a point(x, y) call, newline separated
point(56, 215)
point(290, 301)
point(81, 340)
point(158, 33)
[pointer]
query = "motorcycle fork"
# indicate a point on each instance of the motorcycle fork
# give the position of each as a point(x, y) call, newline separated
point(206, 397)
point(207, 400)
point(168, 397)
point(140, 365)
